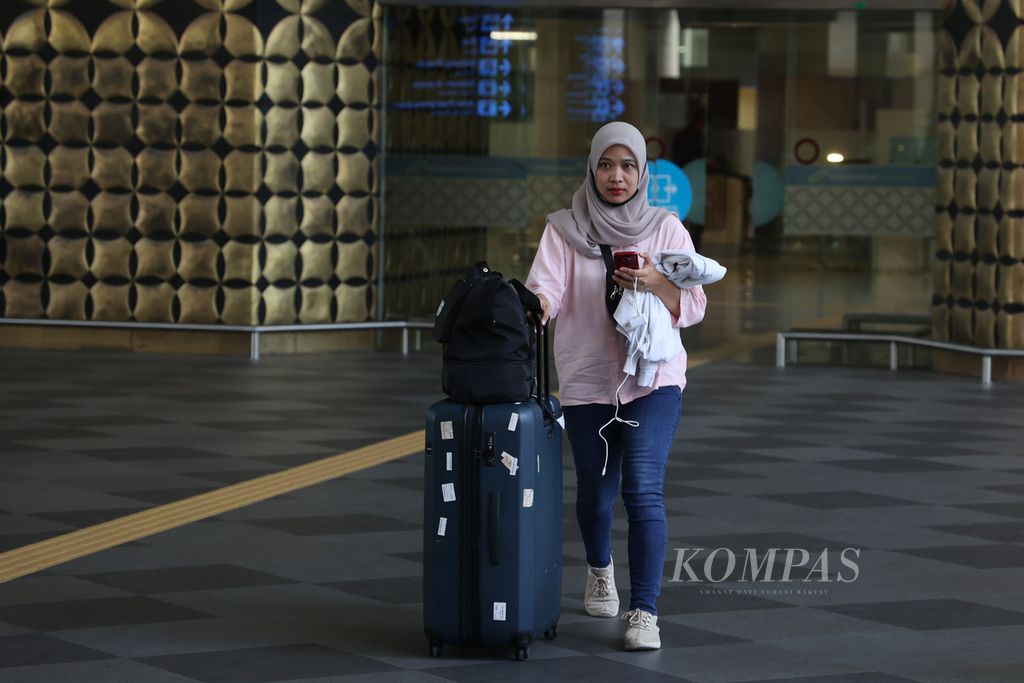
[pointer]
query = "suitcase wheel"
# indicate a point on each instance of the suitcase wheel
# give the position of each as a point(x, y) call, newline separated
point(435, 649)
point(551, 633)
point(522, 653)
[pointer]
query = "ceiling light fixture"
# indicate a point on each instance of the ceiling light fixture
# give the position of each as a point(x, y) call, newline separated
point(523, 36)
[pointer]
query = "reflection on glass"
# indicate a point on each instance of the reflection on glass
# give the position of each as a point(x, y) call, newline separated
point(490, 115)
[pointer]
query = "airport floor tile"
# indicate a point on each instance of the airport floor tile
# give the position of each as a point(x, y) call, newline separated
point(826, 525)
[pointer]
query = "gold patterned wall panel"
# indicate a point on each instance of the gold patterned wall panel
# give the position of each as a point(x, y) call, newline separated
point(24, 211)
point(193, 161)
point(352, 302)
point(279, 305)
point(198, 304)
point(68, 258)
point(24, 299)
point(1011, 238)
point(1011, 283)
point(154, 303)
point(980, 196)
point(317, 218)
point(67, 301)
point(987, 234)
point(316, 304)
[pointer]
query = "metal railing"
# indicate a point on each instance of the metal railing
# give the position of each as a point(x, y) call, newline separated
point(254, 331)
point(894, 340)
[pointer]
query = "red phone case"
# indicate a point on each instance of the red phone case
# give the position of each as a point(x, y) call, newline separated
point(627, 259)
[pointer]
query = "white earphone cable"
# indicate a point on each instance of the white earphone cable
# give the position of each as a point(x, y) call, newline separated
point(616, 418)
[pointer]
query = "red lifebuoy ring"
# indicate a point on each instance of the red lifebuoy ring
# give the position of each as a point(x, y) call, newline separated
point(806, 141)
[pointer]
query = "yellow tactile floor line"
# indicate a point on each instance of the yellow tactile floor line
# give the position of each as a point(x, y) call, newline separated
point(66, 547)
point(76, 544)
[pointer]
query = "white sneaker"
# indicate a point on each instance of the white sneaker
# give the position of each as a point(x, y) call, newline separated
point(643, 632)
point(601, 599)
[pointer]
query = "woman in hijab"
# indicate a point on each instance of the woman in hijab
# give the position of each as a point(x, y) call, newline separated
point(607, 418)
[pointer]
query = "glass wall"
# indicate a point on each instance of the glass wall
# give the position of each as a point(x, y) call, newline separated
point(805, 139)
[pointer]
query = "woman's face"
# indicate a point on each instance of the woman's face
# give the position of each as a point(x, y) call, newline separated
point(617, 174)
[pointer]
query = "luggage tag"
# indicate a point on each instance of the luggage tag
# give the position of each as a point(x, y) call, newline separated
point(510, 462)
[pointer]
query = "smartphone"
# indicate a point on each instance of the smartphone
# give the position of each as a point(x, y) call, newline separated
point(626, 259)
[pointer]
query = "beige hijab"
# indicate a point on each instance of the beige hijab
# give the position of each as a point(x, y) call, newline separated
point(592, 221)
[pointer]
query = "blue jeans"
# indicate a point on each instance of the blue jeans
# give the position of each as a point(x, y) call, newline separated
point(637, 456)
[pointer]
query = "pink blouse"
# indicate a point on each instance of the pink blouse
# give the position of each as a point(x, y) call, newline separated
point(589, 352)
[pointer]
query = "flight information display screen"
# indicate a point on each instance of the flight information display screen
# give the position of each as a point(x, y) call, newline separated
point(485, 80)
point(596, 87)
point(488, 74)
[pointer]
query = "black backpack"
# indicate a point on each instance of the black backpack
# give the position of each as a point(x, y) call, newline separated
point(489, 344)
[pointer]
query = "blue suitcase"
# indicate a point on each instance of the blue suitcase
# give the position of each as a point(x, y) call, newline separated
point(492, 535)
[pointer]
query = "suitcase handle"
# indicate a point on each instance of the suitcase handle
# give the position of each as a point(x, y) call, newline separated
point(542, 364)
point(493, 525)
point(544, 373)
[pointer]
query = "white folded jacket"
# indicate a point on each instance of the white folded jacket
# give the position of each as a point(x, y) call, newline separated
point(650, 337)
point(645, 322)
point(687, 268)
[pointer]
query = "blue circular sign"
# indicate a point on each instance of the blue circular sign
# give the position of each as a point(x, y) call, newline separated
point(669, 187)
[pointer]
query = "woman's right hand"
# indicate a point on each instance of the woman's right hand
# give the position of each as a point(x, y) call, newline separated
point(545, 309)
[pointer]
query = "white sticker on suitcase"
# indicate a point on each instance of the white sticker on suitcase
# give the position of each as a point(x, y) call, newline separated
point(447, 430)
point(513, 421)
point(442, 526)
point(527, 498)
point(499, 611)
point(448, 492)
point(448, 456)
point(510, 462)
point(561, 421)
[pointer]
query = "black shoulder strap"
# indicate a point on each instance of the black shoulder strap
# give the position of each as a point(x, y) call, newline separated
point(530, 301)
point(612, 292)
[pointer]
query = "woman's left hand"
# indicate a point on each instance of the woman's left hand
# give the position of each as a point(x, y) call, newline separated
point(648, 279)
point(644, 280)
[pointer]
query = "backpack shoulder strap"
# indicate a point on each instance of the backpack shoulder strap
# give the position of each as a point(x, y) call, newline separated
point(530, 301)
point(612, 292)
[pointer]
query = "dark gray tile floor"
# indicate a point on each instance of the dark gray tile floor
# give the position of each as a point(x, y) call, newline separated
point(914, 479)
